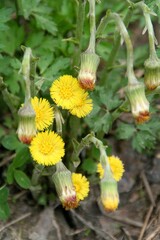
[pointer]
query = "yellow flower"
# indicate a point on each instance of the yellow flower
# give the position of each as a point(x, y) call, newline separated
point(116, 166)
point(83, 107)
point(44, 113)
point(66, 91)
point(109, 194)
point(81, 185)
point(47, 148)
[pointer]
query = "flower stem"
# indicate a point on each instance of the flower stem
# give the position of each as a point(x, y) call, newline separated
point(130, 73)
point(91, 47)
point(79, 30)
point(149, 25)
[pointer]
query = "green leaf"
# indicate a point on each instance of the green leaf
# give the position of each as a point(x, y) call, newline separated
point(4, 208)
point(89, 165)
point(46, 23)
point(5, 14)
point(4, 192)
point(27, 7)
point(12, 38)
point(4, 211)
point(125, 131)
point(144, 141)
point(22, 179)
point(11, 142)
point(10, 174)
point(45, 61)
point(22, 157)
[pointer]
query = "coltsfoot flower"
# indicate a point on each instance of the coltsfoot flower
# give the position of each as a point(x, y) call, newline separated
point(81, 185)
point(27, 127)
point(83, 107)
point(116, 166)
point(64, 186)
point(47, 148)
point(152, 73)
point(109, 194)
point(138, 101)
point(66, 91)
point(88, 69)
point(44, 113)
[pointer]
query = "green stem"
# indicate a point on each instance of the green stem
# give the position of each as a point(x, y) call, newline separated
point(117, 43)
point(37, 172)
point(59, 120)
point(26, 73)
point(91, 47)
point(151, 36)
point(130, 73)
point(79, 31)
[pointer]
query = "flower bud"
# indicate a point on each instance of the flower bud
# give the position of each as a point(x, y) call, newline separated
point(152, 73)
point(109, 193)
point(27, 126)
point(64, 187)
point(139, 103)
point(88, 69)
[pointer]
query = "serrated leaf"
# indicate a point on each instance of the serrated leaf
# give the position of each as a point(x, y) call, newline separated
point(46, 23)
point(4, 192)
point(22, 179)
point(12, 38)
point(11, 142)
point(125, 131)
point(27, 7)
point(45, 61)
point(21, 158)
point(143, 140)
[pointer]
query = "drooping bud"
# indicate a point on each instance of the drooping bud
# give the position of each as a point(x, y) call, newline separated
point(152, 73)
point(109, 193)
point(138, 101)
point(27, 126)
point(64, 187)
point(88, 69)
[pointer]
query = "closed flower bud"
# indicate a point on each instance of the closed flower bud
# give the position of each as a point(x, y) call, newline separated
point(152, 73)
point(27, 126)
point(138, 101)
point(109, 194)
point(64, 187)
point(88, 69)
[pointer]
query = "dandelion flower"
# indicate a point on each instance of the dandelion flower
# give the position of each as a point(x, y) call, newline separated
point(66, 91)
point(47, 148)
point(83, 107)
point(44, 113)
point(81, 185)
point(116, 168)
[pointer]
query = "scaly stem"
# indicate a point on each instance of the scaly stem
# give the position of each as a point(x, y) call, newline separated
point(91, 47)
point(130, 73)
point(151, 36)
point(26, 73)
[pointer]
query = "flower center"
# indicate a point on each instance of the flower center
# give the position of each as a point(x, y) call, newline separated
point(66, 92)
point(46, 147)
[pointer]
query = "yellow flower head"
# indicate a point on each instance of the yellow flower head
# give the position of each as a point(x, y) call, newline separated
point(66, 91)
point(47, 148)
point(116, 166)
point(81, 185)
point(109, 194)
point(44, 113)
point(83, 107)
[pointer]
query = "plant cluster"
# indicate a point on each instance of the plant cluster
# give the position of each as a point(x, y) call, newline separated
point(63, 100)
